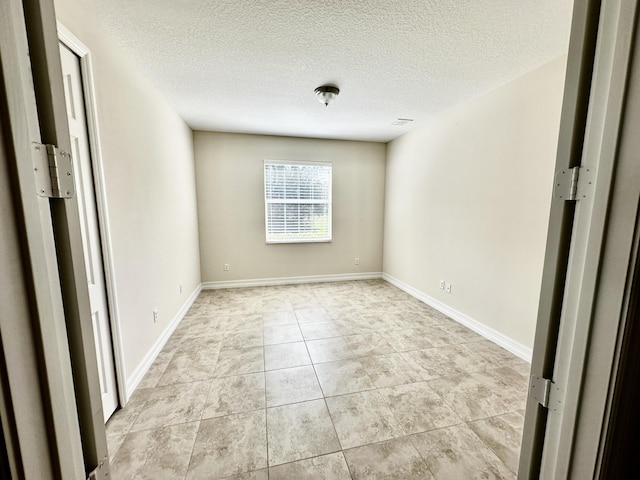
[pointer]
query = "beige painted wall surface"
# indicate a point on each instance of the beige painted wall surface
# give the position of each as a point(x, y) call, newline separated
point(149, 174)
point(230, 185)
point(467, 201)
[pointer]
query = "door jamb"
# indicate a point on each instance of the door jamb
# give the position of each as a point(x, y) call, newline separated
point(575, 103)
point(44, 48)
point(574, 430)
point(59, 408)
point(564, 440)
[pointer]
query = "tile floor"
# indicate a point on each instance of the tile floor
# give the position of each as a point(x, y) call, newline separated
point(348, 380)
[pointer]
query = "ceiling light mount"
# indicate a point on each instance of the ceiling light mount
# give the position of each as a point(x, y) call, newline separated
point(327, 94)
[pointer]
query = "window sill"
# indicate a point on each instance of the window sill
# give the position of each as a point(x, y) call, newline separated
point(276, 242)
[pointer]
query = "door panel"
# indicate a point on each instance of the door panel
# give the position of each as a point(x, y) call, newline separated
point(89, 228)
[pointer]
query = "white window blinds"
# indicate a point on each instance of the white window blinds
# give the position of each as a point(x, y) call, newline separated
point(297, 197)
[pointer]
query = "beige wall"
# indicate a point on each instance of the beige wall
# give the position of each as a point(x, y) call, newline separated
point(467, 201)
point(452, 210)
point(230, 185)
point(147, 152)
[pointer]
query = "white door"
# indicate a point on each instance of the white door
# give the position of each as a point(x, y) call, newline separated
point(90, 229)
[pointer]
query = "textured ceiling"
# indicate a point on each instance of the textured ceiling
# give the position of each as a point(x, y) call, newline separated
point(252, 65)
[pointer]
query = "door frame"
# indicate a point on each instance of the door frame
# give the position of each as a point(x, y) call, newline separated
point(39, 409)
point(614, 236)
point(67, 38)
point(43, 47)
point(575, 102)
point(584, 301)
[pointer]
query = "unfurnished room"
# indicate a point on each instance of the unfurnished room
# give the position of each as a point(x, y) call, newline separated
point(315, 240)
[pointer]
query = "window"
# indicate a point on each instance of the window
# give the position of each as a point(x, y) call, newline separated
point(297, 201)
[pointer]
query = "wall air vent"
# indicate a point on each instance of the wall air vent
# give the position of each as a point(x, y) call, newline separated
point(402, 121)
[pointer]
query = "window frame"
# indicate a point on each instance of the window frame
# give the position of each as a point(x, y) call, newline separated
point(328, 202)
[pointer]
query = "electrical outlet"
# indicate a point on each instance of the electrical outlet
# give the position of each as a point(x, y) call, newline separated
point(226, 267)
point(155, 315)
point(356, 261)
point(448, 287)
point(441, 284)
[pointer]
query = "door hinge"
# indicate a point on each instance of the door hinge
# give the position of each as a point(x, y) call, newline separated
point(574, 183)
point(545, 392)
point(54, 171)
point(101, 472)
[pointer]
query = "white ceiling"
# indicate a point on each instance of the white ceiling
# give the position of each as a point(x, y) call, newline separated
point(252, 65)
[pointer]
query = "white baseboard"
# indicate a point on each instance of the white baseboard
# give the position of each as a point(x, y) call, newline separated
point(489, 333)
point(263, 282)
point(517, 348)
point(136, 377)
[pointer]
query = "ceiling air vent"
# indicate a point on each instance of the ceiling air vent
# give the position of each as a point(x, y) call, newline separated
point(402, 121)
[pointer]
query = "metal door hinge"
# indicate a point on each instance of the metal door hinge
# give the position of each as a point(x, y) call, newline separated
point(101, 472)
point(545, 392)
point(573, 183)
point(53, 170)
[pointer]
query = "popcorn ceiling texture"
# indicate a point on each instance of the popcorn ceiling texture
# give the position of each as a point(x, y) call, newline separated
point(252, 65)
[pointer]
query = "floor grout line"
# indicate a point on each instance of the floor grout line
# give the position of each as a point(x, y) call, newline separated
point(350, 326)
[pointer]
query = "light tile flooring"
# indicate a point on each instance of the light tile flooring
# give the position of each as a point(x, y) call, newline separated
point(346, 380)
